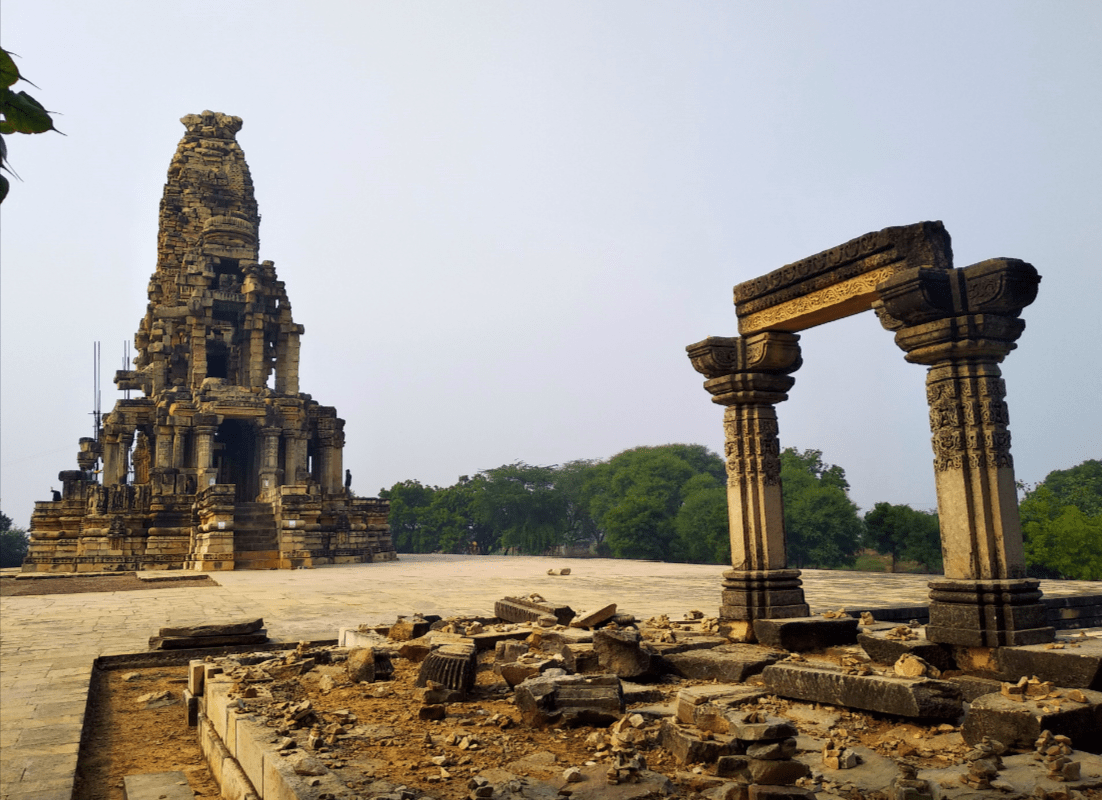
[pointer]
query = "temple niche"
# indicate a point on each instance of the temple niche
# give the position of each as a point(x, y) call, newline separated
point(220, 463)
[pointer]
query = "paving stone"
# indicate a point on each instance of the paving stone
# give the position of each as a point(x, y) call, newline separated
point(1018, 723)
point(799, 634)
point(905, 697)
point(157, 786)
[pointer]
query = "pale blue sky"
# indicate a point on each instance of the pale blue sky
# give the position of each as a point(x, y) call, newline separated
point(502, 222)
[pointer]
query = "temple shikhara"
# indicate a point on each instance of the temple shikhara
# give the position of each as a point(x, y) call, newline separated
point(221, 462)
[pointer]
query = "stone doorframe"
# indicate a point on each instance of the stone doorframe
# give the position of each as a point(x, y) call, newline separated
point(960, 324)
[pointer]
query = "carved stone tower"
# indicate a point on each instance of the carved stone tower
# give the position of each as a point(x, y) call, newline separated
point(221, 463)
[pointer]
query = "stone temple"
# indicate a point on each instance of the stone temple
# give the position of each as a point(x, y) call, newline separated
point(221, 462)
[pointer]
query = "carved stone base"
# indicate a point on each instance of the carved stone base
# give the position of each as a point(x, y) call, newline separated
point(987, 613)
point(762, 594)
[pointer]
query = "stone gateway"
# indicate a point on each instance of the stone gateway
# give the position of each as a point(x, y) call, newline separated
point(221, 462)
point(960, 324)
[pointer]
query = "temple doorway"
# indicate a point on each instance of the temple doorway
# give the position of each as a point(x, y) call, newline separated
point(235, 458)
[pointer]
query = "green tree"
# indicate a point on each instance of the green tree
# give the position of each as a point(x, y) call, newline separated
point(521, 505)
point(409, 504)
point(702, 527)
point(21, 113)
point(1062, 524)
point(905, 534)
point(13, 543)
point(821, 522)
point(581, 529)
point(636, 495)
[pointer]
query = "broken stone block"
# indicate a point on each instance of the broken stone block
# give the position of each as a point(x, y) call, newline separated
point(689, 747)
point(407, 628)
point(520, 671)
point(773, 751)
point(508, 651)
point(1018, 724)
point(1078, 667)
point(886, 650)
point(621, 652)
point(972, 687)
point(762, 792)
point(734, 766)
point(452, 665)
point(591, 619)
point(806, 633)
point(903, 697)
point(911, 666)
point(777, 773)
point(526, 609)
point(694, 703)
point(758, 727)
point(368, 664)
point(560, 571)
point(570, 700)
point(729, 664)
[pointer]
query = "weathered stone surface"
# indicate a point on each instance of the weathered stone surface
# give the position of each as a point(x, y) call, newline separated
point(621, 652)
point(777, 773)
point(213, 628)
point(730, 663)
point(646, 785)
point(1018, 723)
point(762, 792)
point(525, 609)
point(688, 747)
point(452, 665)
point(189, 642)
point(806, 633)
point(406, 629)
point(570, 700)
point(773, 750)
point(157, 786)
point(1078, 664)
point(889, 695)
point(972, 687)
point(591, 619)
point(706, 706)
point(758, 727)
point(520, 671)
point(368, 664)
point(884, 650)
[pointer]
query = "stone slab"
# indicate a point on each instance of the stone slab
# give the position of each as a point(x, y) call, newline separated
point(799, 634)
point(1078, 664)
point(884, 650)
point(904, 697)
point(1017, 724)
point(196, 642)
point(157, 786)
point(521, 609)
point(729, 664)
point(214, 628)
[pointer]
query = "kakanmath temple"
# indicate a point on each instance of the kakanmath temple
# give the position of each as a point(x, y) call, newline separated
point(221, 463)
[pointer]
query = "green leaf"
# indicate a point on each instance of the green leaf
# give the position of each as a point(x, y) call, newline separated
point(9, 73)
point(24, 113)
point(4, 185)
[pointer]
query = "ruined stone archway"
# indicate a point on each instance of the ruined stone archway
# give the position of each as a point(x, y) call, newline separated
point(960, 323)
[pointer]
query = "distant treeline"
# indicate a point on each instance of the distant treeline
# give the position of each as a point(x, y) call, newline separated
point(665, 503)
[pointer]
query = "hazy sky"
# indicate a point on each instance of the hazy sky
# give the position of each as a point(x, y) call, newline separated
point(501, 222)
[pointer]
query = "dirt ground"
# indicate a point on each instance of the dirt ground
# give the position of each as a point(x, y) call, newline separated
point(123, 737)
point(128, 582)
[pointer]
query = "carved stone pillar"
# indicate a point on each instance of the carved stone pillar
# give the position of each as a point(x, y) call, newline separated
point(179, 443)
point(204, 451)
point(126, 441)
point(287, 353)
point(269, 462)
point(962, 324)
point(112, 458)
point(750, 376)
point(294, 470)
point(163, 448)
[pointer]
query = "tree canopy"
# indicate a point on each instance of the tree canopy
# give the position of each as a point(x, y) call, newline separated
point(13, 543)
point(1062, 523)
point(821, 522)
point(21, 113)
point(905, 534)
